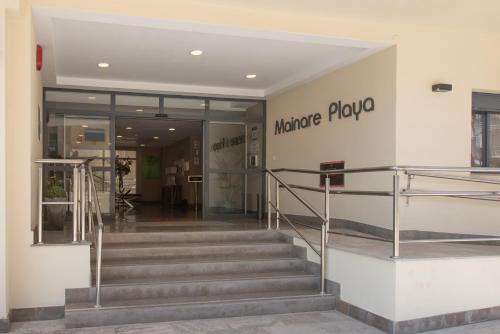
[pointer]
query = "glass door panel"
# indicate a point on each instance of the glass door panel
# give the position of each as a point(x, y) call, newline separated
point(76, 137)
point(227, 168)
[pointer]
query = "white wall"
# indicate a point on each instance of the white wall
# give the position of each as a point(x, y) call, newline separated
point(406, 289)
point(370, 141)
point(428, 287)
point(366, 282)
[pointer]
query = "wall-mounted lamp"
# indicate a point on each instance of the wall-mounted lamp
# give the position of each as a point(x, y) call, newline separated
point(441, 88)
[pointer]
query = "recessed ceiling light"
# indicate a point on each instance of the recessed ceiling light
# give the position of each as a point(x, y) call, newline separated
point(203, 104)
point(156, 137)
point(251, 76)
point(85, 126)
point(142, 145)
point(118, 136)
point(139, 110)
point(128, 128)
point(171, 129)
point(91, 97)
point(103, 65)
point(196, 52)
point(78, 142)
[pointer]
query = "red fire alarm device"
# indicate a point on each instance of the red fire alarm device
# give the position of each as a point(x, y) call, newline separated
point(39, 57)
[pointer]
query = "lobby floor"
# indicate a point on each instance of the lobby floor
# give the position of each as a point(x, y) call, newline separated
point(298, 323)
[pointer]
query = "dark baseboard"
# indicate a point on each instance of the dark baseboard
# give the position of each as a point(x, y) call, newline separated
point(37, 313)
point(385, 233)
point(5, 325)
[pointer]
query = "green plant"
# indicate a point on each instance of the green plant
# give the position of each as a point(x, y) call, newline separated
point(54, 190)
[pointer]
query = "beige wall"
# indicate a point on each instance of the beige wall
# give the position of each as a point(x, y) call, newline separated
point(368, 141)
point(4, 305)
point(35, 274)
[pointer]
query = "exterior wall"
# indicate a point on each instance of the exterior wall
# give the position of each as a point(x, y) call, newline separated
point(435, 128)
point(37, 276)
point(4, 305)
point(403, 289)
point(369, 141)
point(428, 287)
point(426, 129)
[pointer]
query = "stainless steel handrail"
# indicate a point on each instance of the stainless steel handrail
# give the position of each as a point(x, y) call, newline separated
point(279, 215)
point(396, 193)
point(481, 170)
point(100, 228)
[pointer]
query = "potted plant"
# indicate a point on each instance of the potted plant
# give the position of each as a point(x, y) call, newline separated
point(55, 212)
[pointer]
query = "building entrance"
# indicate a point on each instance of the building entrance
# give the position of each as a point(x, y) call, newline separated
point(160, 157)
point(159, 169)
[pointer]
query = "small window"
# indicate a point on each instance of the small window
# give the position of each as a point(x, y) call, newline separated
point(485, 134)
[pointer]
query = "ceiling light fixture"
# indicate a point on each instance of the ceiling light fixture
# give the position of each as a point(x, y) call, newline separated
point(85, 126)
point(251, 76)
point(171, 129)
point(142, 145)
point(103, 65)
point(119, 136)
point(196, 52)
point(91, 97)
point(128, 128)
point(139, 110)
point(156, 137)
point(78, 142)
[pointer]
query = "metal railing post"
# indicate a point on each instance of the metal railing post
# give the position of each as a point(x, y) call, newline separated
point(98, 271)
point(75, 203)
point(83, 198)
point(268, 201)
point(395, 215)
point(40, 205)
point(277, 205)
point(327, 202)
point(89, 206)
point(323, 262)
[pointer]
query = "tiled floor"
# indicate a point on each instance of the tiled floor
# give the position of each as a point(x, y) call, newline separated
point(298, 323)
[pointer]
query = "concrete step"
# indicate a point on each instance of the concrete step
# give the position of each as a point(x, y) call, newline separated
point(128, 271)
point(196, 250)
point(198, 287)
point(185, 308)
point(193, 237)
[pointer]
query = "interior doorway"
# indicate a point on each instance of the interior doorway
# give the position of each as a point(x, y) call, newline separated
point(158, 169)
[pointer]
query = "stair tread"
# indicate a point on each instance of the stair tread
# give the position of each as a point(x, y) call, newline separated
point(139, 261)
point(177, 301)
point(207, 278)
point(134, 245)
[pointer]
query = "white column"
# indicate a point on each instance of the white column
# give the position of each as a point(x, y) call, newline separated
point(3, 220)
point(4, 294)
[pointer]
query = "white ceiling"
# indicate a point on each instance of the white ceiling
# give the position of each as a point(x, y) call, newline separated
point(152, 55)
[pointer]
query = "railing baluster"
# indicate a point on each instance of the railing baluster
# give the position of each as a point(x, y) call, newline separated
point(395, 215)
point(75, 204)
point(268, 201)
point(40, 205)
point(277, 204)
point(82, 202)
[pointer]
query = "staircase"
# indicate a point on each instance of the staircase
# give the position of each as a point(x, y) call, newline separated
point(166, 276)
